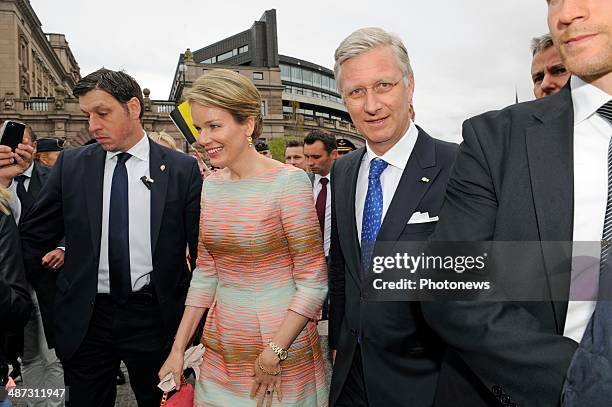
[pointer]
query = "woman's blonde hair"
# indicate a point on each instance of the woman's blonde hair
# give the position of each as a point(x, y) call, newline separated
point(163, 138)
point(5, 196)
point(231, 91)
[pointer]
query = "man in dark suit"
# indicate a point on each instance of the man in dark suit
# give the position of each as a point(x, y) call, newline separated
point(40, 365)
point(534, 172)
point(389, 191)
point(129, 208)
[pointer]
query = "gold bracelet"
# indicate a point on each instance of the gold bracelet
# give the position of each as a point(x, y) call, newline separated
point(263, 369)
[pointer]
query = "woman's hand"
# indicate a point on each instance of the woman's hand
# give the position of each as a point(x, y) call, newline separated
point(266, 384)
point(174, 365)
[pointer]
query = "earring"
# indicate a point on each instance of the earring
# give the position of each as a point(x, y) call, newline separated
point(250, 141)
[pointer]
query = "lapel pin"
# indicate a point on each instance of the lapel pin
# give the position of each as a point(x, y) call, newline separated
point(425, 179)
point(162, 167)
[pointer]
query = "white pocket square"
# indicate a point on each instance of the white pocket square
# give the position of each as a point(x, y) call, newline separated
point(421, 217)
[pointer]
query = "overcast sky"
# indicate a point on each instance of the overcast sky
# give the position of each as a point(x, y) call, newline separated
point(468, 56)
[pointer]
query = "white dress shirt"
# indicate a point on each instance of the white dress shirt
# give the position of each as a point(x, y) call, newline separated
point(591, 138)
point(139, 212)
point(316, 188)
point(397, 158)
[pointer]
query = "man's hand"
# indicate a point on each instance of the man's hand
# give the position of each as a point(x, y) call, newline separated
point(15, 163)
point(54, 259)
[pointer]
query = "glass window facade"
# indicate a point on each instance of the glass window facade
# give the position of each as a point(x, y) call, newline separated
point(296, 74)
point(224, 56)
point(297, 90)
point(307, 77)
point(258, 76)
point(325, 82)
point(316, 79)
point(285, 72)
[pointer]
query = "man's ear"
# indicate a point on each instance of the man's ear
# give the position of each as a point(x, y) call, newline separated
point(334, 154)
point(134, 108)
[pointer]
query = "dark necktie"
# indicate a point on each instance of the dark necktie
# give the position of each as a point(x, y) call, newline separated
point(372, 212)
point(321, 203)
point(21, 191)
point(119, 233)
point(589, 378)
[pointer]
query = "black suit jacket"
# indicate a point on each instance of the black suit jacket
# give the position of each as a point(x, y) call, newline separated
point(37, 180)
point(401, 356)
point(512, 181)
point(70, 204)
point(44, 284)
point(15, 303)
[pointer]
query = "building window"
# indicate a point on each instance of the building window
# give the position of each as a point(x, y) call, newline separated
point(307, 77)
point(243, 49)
point(316, 79)
point(264, 108)
point(325, 80)
point(224, 56)
point(210, 60)
point(258, 76)
point(296, 74)
point(285, 72)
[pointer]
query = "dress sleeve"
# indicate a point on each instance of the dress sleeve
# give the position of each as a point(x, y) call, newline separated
point(204, 280)
point(303, 235)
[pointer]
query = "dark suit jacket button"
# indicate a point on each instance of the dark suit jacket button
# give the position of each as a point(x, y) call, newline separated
point(497, 389)
point(505, 399)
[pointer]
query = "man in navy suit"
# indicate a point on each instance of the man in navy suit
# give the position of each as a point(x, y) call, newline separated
point(129, 209)
point(389, 191)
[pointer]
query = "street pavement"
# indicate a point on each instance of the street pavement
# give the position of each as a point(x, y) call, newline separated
point(125, 396)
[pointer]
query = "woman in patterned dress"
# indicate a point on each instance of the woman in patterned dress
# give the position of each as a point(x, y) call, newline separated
point(260, 268)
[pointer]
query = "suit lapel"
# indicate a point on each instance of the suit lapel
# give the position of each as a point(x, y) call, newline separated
point(345, 214)
point(551, 167)
point(159, 170)
point(410, 190)
point(32, 192)
point(36, 182)
point(93, 180)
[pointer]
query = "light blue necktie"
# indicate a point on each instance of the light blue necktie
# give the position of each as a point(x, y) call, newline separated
point(372, 212)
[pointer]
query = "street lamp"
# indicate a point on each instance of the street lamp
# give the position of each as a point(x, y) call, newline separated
point(182, 68)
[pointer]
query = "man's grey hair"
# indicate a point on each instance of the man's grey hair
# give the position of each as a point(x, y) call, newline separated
point(364, 40)
point(539, 44)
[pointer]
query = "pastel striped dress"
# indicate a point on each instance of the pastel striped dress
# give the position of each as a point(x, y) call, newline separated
point(260, 254)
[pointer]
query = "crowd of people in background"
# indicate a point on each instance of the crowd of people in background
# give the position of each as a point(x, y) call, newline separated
point(119, 251)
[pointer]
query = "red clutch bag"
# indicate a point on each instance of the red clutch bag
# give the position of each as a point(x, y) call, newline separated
point(182, 398)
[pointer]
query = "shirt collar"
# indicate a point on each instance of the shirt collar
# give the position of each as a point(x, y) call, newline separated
point(317, 178)
point(398, 155)
point(586, 99)
point(140, 150)
point(28, 172)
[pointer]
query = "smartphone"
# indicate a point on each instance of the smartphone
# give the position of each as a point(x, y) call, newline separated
point(11, 133)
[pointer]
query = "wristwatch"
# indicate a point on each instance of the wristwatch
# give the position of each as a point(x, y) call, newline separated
point(280, 352)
